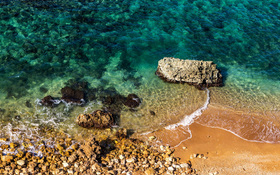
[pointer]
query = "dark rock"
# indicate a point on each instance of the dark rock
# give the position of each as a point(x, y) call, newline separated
point(98, 119)
point(48, 101)
point(108, 100)
point(28, 104)
point(132, 101)
point(201, 74)
point(152, 113)
point(17, 117)
point(114, 105)
point(121, 133)
point(113, 100)
point(72, 96)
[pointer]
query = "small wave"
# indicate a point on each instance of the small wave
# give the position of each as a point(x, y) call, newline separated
point(183, 132)
point(188, 119)
point(237, 135)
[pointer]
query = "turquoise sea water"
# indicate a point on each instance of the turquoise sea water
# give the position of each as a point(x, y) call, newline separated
point(115, 47)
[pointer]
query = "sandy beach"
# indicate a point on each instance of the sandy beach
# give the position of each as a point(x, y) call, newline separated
point(203, 150)
point(221, 151)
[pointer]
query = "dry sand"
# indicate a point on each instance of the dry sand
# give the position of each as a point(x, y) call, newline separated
point(226, 153)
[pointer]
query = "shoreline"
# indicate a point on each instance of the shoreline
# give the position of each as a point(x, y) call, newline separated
point(225, 153)
point(198, 149)
point(249, 126)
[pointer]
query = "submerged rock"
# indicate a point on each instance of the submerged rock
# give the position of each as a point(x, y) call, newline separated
point(98, 119)
point(152, 112)
point(132, 101)
point(49, 101)
point(113, 104)
point(201, 74)
point(71, 95)
point(28, 104)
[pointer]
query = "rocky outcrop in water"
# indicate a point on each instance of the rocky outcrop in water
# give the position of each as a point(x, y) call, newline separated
point(132, 101)
point(98, 119)
point(71, 95)
point(49, 101)
point(201, 74)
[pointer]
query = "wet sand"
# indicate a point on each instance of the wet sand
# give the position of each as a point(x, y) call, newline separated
point(229, 154)
point(226, 153)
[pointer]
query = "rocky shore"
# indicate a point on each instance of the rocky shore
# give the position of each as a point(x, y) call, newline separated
point(109, 153)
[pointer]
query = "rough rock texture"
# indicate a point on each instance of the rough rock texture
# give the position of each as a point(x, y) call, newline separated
point(98, 119)
point(122, 133)
point(104, 153)
point(90, 150)
point(132, 101)
point(201, 74)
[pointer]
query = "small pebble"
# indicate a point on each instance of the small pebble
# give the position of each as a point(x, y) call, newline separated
point(169, 159)
point(70, 171)
point(20, 162)
point(170, 169)
point(130, 160)
point(152, 138)
point(65, 164)
point(185, 165)
point(121, 157)
point(162, 148)
point(76, 165)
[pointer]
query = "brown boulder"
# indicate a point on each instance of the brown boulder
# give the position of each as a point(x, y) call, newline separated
point(132, 101)
point(201, 74)
point(98, 119)
point(71, 95)
point(49, 101)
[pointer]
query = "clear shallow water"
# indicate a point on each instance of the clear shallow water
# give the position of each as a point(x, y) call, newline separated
point(115, 46)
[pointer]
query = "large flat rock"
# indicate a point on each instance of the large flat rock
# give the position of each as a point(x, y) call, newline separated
point(201, 74)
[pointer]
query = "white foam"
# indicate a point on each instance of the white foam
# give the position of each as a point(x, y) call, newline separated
point(234, 133)
point(181, 141)
point(189, 119)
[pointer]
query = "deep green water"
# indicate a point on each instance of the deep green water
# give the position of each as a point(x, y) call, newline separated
point(115, 47)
